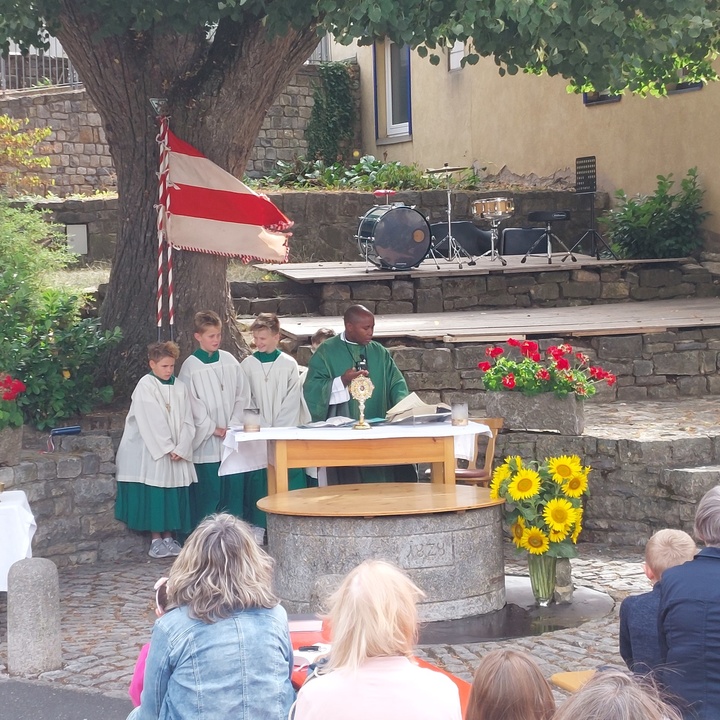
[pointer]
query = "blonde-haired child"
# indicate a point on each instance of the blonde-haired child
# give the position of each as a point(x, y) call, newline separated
point(639, 644)
point(154, 461)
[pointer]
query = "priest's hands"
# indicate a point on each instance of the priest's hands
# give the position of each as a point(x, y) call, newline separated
point(220, 432)
point(349, 375)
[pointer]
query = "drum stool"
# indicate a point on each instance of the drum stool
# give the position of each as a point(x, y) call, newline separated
point(548, 217)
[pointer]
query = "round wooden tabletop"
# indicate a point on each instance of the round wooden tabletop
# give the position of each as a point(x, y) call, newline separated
point(376, 499)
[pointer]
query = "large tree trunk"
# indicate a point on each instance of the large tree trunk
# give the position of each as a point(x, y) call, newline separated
point(218, 94)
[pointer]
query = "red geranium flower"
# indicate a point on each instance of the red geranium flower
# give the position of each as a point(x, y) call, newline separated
point(509, 381)
point(596, 372)
point(513, 342)
point(562, 363)
point(610, 379)
point(542, 374)
point(528, 348)
point(493, 352)
point(484, 366)
point(535, 357)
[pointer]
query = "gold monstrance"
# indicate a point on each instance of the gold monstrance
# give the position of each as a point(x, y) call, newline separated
point(361, 388)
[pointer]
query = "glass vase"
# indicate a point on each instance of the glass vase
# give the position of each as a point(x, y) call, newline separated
point(542, 578)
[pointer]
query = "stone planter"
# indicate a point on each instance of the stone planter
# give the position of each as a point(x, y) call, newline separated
point(10, 445)
point(544, 412)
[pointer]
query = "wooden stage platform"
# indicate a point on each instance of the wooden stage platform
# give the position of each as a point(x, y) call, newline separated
point(626, 318)
point(345, 272)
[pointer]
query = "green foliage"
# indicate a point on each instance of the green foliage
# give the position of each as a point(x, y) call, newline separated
point(331, 123)
point(367, 174)
point(43, 339)
point(611, 45)
point(663, 225)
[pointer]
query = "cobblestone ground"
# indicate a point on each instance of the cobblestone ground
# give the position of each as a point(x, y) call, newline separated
point(107, 614)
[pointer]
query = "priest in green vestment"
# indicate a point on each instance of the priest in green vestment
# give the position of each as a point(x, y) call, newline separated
point(335, 364)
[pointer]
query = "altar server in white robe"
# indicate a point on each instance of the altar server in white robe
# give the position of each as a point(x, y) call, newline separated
point(276, 391)
point(155, 473)
point(220, 396)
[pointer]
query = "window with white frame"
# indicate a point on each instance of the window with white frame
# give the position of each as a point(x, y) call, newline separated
point(455, 55)
point(397, 89)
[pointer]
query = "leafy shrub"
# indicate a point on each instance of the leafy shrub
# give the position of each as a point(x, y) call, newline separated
point(662, 225)
point(367, 174)
point(43, 339)
point(19, 155)
point(331, 123)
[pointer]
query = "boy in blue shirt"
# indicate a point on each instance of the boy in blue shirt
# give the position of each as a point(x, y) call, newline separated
point(639, 645)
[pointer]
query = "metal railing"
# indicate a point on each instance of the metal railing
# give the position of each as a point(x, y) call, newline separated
point(37, 69)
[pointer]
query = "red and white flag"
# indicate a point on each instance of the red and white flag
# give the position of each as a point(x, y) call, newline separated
point(209, 210)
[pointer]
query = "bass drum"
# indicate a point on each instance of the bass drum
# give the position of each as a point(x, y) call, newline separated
point(394, 237)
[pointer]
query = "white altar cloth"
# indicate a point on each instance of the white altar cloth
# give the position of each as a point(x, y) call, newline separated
point(243, 452)
point(17, 527)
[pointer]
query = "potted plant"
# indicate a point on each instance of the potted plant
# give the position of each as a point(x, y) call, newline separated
point(540, 390)
point(11, 419)
point(543, 510)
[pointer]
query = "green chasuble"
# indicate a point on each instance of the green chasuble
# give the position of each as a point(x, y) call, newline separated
point(330, 361)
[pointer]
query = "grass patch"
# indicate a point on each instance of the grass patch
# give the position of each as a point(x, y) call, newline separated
point(87, 278)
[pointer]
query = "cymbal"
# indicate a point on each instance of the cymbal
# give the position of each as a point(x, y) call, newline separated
point(446, 169)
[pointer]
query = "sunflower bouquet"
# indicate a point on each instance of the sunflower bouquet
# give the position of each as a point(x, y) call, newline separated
point(543, 502)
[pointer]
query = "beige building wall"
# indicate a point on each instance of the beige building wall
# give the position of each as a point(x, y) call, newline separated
point(533, 125)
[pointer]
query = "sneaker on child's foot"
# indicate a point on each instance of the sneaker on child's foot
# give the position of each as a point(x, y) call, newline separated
point(158, 549)
point(173, 546)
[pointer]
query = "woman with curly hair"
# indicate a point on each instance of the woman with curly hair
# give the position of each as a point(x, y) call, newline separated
point(222, 650)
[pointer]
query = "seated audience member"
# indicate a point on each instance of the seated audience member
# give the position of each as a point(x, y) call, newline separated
point(319, 337)
point(222, 650)
point(689, 620)
point(508, 685)
point(639, 645)
point(136, 684)
point(612, 695)
point(370, 672)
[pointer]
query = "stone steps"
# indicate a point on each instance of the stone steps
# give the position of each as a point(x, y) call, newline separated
point(283, 297)
point(648, 473)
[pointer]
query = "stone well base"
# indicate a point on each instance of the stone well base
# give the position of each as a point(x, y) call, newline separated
point(456, 558)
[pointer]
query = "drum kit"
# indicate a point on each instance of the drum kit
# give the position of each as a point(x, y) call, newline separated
point(396, 236)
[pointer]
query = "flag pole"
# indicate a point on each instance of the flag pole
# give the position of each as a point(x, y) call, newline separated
point(162, 208)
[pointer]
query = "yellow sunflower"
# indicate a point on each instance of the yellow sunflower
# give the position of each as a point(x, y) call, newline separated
point(578, 525)
point(535, 541)
point(559, 514)
point(514, 458)
point(557, 535)
point(564, 467)
point(525, 484)
point(500, 474)
point(517, 530)
point(576, 485)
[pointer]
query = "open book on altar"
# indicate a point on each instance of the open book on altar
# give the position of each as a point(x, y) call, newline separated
point(411, 410)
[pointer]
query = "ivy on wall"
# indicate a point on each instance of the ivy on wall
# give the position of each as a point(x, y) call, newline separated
point(331, 123)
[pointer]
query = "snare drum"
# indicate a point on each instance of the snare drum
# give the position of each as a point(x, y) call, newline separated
point(393, 237)
point(498, 207)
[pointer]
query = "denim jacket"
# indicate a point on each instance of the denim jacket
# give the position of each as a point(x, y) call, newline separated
point(236, 668)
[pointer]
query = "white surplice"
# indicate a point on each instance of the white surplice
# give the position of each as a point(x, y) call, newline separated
point(160, 422)
point(276, 391)
point(220, 396)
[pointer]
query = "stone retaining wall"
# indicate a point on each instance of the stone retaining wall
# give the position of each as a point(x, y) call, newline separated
point(326, 222)
point(552, 288)
point(72, 495)
point(657, 366)
point(79, 155)
point(636, 487)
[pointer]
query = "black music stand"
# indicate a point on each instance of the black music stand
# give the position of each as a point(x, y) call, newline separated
point(586, 184)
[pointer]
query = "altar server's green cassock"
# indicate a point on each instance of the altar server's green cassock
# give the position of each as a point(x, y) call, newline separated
point(329, 362)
